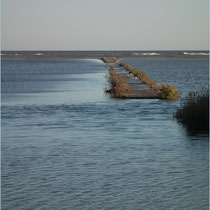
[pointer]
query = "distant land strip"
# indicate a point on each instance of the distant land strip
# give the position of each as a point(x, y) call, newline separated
point(97, 56)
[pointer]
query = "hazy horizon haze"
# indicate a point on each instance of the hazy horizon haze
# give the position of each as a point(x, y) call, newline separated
point(105, 25)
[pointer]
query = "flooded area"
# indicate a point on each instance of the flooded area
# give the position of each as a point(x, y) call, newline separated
point(67, 145)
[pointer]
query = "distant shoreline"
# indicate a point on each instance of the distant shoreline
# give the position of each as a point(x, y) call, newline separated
point(99, 56)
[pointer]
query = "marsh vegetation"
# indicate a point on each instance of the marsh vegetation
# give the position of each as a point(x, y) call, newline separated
point(119, 86)
point(194, 111)
point(110, 60)
point(167, 91)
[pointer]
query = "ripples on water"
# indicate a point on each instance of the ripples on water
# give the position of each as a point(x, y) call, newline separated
point(67, 145)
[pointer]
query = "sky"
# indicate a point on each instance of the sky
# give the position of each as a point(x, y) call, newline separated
point(104, 25)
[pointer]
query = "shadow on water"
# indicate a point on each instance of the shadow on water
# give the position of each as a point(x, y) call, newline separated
point(195, 134)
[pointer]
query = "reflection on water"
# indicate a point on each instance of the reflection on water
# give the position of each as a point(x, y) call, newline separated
point(67, 145)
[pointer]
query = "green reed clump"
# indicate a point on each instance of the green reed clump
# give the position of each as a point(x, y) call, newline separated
point(118, 84)
point(194, 111)
point(168, 92)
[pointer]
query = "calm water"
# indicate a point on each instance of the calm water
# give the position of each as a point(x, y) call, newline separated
point(117, 52)
point(67, 145)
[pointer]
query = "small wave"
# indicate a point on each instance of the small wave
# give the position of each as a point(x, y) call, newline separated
point(94, 60)
point(39, 54)
point(197, 53)
point(151, 53)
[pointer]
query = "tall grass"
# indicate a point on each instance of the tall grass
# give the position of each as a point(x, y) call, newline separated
point(194, 112)
point(118, 84)
point(168, 92)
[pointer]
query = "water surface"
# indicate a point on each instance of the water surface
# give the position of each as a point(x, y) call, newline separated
point(67, 145)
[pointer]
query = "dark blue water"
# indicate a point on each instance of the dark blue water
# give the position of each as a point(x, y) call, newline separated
point(67, 145)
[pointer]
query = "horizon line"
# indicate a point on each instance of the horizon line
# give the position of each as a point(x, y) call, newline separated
point(109, 50)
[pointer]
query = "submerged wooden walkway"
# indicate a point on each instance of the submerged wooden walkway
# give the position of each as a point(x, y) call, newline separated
point(139, 89)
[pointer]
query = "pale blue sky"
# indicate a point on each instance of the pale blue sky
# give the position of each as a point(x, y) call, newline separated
point(105, 24)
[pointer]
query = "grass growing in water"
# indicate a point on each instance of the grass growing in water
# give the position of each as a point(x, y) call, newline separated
point(118, 84)
point(168, 92)
point(194, 112)
point(110, 60)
